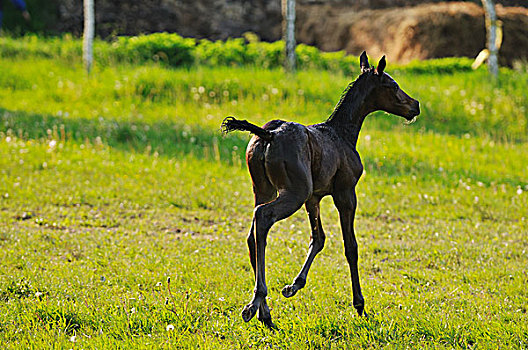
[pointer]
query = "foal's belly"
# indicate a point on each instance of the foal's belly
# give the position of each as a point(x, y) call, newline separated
point(323, 175)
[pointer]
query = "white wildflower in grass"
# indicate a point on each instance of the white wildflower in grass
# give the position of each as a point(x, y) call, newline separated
point(73, 339)
point(159, 284)
point(169, 328)
point(519, 191)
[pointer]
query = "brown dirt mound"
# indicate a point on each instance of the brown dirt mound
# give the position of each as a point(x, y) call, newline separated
point(420, 32)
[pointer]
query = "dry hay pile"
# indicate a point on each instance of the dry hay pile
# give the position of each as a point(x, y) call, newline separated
point(420, 32)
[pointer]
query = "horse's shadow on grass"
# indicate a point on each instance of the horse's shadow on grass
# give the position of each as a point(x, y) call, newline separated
point(167, 138)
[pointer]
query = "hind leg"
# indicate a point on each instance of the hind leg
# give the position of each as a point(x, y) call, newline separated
point(264, 314)
point(284, 166)
point(265, 216)
point(263, 194)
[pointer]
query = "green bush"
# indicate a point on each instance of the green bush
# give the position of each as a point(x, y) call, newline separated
point(223, 53)
point(171, 49)
point(175, 51)
point(447, 65)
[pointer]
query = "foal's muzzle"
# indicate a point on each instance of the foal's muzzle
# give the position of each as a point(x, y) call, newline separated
point(414, 110)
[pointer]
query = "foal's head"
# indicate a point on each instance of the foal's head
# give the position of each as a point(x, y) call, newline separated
point(386, 94)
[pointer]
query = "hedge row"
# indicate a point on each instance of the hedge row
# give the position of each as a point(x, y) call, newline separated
point(175, 51)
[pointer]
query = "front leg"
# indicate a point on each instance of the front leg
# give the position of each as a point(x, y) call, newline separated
point(346, 203)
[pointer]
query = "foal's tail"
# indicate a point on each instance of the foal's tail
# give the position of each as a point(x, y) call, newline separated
point(230, 123)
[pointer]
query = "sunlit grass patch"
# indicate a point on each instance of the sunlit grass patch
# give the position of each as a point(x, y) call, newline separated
point(114, 183)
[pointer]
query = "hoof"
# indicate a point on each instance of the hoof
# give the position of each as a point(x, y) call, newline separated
point(268, 323)
point(359, 304)
point(289, 290)
point(249, 312)
point(360, 310)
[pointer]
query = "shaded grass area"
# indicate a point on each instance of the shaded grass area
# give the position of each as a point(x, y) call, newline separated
point(476, 159)
point(170, 138)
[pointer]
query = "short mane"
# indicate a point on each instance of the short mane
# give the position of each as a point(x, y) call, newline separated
point(344, 95)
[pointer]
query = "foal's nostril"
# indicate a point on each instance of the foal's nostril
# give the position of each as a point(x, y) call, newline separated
point(416, 107)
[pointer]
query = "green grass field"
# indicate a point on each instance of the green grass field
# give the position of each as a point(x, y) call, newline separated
point(114, 182)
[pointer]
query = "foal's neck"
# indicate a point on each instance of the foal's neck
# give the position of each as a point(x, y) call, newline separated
point(350, 111)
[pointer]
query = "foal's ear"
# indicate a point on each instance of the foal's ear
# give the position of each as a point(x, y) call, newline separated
point(363, 62)
point(381, 66)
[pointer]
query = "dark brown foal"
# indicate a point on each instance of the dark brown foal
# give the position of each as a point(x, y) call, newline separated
point(292, 164)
